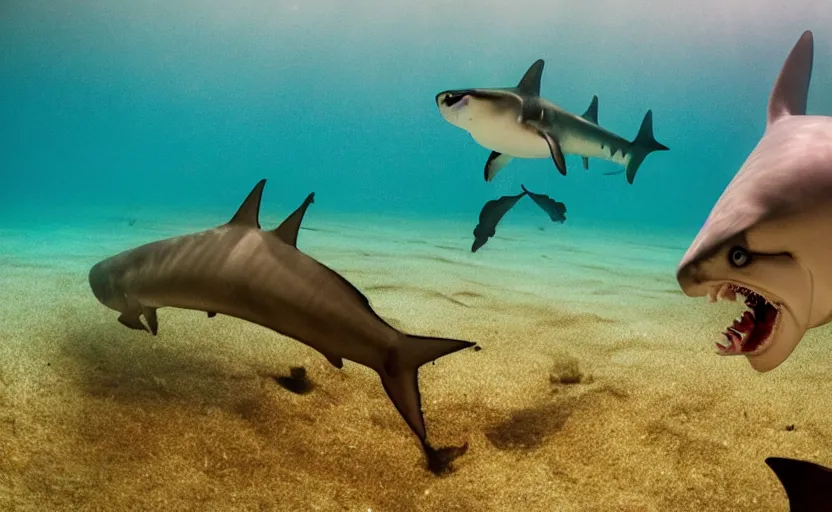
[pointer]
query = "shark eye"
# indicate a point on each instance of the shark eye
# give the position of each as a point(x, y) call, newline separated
point(738, 257)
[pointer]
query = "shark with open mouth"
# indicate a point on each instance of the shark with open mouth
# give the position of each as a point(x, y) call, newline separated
point(516, 122)
point(767, 238)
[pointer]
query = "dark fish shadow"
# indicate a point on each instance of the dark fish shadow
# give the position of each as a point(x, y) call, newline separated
point(142, 398)
point(114, 367)
point(554, 209)
point(529, 428)
point(491, 214)
point(297, 382)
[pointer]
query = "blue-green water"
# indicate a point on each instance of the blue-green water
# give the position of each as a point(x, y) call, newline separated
point(127, 122)
point(187, 104)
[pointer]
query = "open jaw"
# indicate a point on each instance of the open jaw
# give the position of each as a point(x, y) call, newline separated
point(751, 332)
point(458, 99)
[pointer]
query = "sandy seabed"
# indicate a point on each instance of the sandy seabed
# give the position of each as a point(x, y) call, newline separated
point(596, 389)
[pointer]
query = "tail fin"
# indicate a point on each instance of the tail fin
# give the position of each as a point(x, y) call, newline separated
point(400, 377)
point(641, 146)
point(808, 485)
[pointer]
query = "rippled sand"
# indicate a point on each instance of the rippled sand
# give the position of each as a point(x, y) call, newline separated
point(596, 388)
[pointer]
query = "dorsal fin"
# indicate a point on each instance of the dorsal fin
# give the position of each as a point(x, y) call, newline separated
point(591, 113)
point(791, 89)
point(530, 83)
point(249, 212)
point(288, 229)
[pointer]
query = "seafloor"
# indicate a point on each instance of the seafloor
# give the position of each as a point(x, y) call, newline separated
point(596, 389)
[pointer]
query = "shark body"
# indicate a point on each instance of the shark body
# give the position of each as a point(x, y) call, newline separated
point(518, 122)
point(239, 270)
point(767, 238)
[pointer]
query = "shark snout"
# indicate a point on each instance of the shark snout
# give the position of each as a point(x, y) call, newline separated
point(102, 287)
point(691, 280)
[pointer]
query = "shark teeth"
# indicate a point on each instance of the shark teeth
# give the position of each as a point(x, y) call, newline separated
point(752, 329)
point(723, 342)
point(724, 292)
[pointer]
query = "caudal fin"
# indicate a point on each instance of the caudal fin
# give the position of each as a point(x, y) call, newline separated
point(641, 146)
point(808, 485)
point(400, 377)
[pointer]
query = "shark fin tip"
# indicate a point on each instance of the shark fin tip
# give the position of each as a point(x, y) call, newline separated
point(790, 92)
point(248, 214)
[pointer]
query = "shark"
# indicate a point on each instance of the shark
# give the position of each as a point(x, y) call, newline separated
point(808, 485)
point(766, 239)
point(516, 122)
point(240, 270)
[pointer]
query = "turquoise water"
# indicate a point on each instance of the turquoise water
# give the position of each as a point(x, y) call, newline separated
point(127, 122)
point(189, 103)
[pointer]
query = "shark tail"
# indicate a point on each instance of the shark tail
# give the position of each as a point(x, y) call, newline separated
point(400, 377)
point(808, 485)
point(644, 144)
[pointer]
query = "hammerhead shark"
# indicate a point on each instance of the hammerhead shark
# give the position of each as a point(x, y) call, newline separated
point(808, 485)
point(518, 122)
point(767, 238)
point(239, 270)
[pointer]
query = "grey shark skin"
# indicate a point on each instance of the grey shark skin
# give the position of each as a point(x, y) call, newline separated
point(239, 270)
point(768, 235)
point(808, 485)
point(517, 122)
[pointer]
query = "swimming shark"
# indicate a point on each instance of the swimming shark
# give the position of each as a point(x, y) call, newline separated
point(767, 238)
point(240, 270)
point(516, 122)
point(808, 485)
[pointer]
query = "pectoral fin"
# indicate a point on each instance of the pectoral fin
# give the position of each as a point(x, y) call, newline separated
point(555, 150)
point(495, 163)
point(152, 320)
point(132, 321)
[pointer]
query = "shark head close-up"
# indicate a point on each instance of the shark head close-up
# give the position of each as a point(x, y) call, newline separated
point(478, 110)
point(492, 117)
point(766, 239)
point(453, 106)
